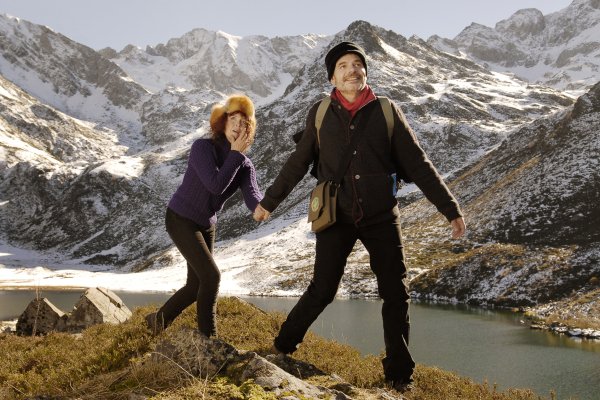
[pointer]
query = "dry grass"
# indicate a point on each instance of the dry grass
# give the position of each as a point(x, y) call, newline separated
point(435, 384)
point(57, 361)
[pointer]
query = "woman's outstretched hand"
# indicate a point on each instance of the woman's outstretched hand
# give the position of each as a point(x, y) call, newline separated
point(260, 214)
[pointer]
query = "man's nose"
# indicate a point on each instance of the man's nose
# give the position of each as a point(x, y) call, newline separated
point(353, 71)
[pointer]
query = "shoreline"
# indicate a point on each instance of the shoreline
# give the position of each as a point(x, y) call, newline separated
point(44, 288)
point(572, 331)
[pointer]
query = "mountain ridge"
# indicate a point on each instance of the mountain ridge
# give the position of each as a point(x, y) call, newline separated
point(559, 50)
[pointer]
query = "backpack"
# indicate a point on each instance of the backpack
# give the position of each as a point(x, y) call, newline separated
point(386, 106)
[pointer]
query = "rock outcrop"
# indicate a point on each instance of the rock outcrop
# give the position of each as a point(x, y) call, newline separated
point(206, 357)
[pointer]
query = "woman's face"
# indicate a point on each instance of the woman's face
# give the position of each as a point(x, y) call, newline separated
point(236, 125)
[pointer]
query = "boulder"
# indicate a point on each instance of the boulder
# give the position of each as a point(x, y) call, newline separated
point(274, 379)
point(207, 357)
point(197, 354)
point(39, 318)
point(575, 332)
point(560, 329)
point(96, 306)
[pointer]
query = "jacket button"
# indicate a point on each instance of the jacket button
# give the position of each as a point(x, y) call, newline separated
point(352, 126)
point(356, 176)
point(360, 199)
point(354, 152)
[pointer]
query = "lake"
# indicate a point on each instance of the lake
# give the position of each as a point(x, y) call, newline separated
point(486, 345)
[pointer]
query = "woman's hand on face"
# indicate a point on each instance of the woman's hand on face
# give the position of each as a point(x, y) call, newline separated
point(242, 143)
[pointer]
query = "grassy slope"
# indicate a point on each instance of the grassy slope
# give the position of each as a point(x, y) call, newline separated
point(111, 362)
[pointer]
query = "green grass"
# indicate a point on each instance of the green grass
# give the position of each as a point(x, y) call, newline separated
point(112, 362)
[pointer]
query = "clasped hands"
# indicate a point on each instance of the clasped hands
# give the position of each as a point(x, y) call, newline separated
point(458, 224)
point(260, 214)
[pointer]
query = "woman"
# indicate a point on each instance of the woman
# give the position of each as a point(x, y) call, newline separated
point(217, 167)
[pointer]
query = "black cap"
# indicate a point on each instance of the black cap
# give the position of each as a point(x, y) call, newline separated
point(338, 51)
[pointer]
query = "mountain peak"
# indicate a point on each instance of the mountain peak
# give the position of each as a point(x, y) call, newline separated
point(359, 25)
point(368, 36)
point(363, 33)
point(523, 23)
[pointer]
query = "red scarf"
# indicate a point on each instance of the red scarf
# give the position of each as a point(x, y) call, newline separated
point(366, 96)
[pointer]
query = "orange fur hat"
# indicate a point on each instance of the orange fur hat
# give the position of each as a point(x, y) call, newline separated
point(236, 102)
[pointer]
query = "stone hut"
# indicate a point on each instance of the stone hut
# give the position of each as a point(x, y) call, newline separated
point(97, 306)
point(39, 318)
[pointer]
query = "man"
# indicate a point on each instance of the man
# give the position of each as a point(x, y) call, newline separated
point(367, 209)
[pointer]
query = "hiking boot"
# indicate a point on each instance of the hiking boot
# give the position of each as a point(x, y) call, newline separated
point(275, 352)
point(153, 323)
point(401, 387)
point(275, 355)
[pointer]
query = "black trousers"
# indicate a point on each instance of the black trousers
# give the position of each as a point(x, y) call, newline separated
point(384, 245)
point(196, 244)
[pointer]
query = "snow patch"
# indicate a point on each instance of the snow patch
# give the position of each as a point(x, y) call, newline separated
point(124, 167)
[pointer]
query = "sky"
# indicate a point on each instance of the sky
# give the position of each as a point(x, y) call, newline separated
point(117, 23)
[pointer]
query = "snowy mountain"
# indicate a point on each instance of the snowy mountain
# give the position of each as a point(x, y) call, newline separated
point(189, 74)
point(133, 180)
point(218, 61)
point(62, 179)
point(533, 216)
point(93, 144)
point(560, 50)
point(70, 77)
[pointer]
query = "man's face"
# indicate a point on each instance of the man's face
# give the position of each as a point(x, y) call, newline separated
point(349, 75)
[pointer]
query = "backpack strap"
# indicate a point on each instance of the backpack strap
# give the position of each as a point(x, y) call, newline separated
point(383, 101)
point(323, 106)
point(388, 114)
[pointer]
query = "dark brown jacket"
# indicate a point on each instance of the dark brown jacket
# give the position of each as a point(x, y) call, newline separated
point(366, 194)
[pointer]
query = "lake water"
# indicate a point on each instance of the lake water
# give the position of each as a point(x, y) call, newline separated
point(486, 345)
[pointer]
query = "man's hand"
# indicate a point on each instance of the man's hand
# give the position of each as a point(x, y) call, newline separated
point(458, 227)
point(260, 214)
